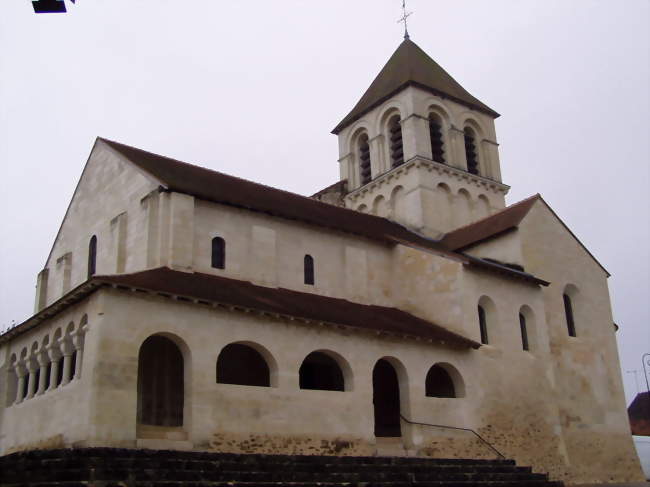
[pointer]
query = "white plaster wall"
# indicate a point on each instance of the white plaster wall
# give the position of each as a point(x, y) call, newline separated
point(58, 417)
point(109, 186)
point(589, 390)
point(270, 251)
point(505, 248)
point(283, 411)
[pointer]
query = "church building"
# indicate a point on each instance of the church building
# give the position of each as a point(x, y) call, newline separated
point(404, 310)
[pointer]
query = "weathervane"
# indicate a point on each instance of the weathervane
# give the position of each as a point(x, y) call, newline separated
point(405, 15)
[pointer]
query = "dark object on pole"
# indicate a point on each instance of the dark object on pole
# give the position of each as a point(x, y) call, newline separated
point(49, 6)
point(639, 414)
point(645, 372)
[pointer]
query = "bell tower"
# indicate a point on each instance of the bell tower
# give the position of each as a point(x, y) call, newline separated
point(419, 149)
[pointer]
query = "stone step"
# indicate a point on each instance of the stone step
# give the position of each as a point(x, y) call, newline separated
point(151, 474)
point(105, 467)
point(245, 458)
point(293, 484)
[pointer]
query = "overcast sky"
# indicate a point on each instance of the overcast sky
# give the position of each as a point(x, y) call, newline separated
point(253, 88)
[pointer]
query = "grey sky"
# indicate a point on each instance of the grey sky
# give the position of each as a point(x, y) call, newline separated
point(253, 88)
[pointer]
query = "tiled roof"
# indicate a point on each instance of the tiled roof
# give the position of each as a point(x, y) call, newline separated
point(410, 65)
point(229, 190)
point(494, 225)
point(277, 301)
point(490, 226)
point(222, 188)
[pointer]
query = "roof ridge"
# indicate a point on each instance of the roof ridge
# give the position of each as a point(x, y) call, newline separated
point(507, 208)
point(411, 65)
point(248, 181)
point(220, 173)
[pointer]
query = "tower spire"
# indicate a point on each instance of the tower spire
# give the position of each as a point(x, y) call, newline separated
point(405, 15)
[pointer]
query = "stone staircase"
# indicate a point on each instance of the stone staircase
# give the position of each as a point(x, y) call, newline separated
point(111, 467)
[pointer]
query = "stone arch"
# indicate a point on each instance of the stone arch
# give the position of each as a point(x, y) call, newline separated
point(325, 370)
point(488, 321)
point(470, 121)
point(69, 329)
point(444, 380)
point(12, 381)
point(394, 107)
point(571, 301)
point(247, 363)
point(380, 206)
point(362, 208)
point(162, 379)
point(58, 333)
point(396, 204)
point(528, 328)
point(482, 207)
point(354, 144)
point(360, 127)
point(472, 128)
point(390, 396)
point(434, 106)
point(463, 208)
point(438, 134)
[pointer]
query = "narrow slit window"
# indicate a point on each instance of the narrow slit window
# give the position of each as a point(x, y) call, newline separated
point(482, 322)
point(437, 144)
point(524, 332)
point(364, 159)
point(92, 256)
point(470, 151)
point(568, 311)
point(218, 253)
point(309, 270)
point(396, 143)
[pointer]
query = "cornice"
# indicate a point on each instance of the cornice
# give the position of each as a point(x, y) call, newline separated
point(432, 166)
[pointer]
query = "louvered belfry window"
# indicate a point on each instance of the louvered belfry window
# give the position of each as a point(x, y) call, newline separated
point(396, 145)
point(435, 132)
point(364, 159)
point(470, 151)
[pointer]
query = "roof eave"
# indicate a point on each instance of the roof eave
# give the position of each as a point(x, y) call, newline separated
point(352, 117)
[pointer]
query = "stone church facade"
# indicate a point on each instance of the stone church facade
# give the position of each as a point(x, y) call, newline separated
point(389, 314)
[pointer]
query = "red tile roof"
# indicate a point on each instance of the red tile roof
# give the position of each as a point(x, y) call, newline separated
point(229, 190)
point(490, 226)
point(499, 223)
point(285, 302)
point(222, 188)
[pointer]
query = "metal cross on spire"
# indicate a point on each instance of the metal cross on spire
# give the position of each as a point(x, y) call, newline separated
point(405, 15)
